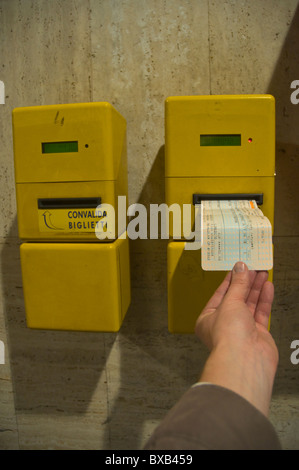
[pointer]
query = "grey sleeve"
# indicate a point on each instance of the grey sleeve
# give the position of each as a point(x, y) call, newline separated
point(212, 417)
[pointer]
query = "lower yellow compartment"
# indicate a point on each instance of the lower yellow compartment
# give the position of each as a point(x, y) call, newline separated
point(189, 287)
point(76, 286)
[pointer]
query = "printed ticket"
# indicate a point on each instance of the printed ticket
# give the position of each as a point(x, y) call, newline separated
point(234, 231)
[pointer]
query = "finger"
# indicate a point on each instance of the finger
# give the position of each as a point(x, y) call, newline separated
point(205, 320)
point(255, 291)
point(218, 295)
point(263, 308)
point(241, 282)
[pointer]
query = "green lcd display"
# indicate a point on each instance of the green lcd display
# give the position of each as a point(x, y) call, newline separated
point(220, 140)
point(60, 147)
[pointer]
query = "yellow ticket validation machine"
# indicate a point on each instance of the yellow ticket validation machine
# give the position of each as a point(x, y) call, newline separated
point(217, 148)
point(70, 161)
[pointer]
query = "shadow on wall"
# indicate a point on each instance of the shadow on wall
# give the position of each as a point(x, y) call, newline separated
point(52, 371)
point(156, 367)
point(284, 323)
point(146, 327)
point(57, 372)
point(287, 136)
point(286, 71)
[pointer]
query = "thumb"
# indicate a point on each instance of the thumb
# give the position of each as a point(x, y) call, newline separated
point(240, 283)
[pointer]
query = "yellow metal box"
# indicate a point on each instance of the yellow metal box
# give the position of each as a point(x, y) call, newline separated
point(215, 146)
point(219, 145)
point(69, 159)
point(70, 166)
point(76, 286)
point(229, 135)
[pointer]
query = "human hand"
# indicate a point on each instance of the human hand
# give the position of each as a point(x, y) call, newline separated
point(234, 325)
point(239, 311)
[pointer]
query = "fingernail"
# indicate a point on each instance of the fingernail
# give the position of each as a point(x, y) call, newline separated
point(239, 267)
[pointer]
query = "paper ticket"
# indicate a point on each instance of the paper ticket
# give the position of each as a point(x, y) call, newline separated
point(234, 231)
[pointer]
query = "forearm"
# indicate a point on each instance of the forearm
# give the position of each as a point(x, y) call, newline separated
point(244, 371)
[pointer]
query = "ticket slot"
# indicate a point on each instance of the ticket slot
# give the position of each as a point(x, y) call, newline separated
point(258, 197)
point(69, 203)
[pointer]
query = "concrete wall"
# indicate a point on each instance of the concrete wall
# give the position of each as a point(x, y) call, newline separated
point(66, 390)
